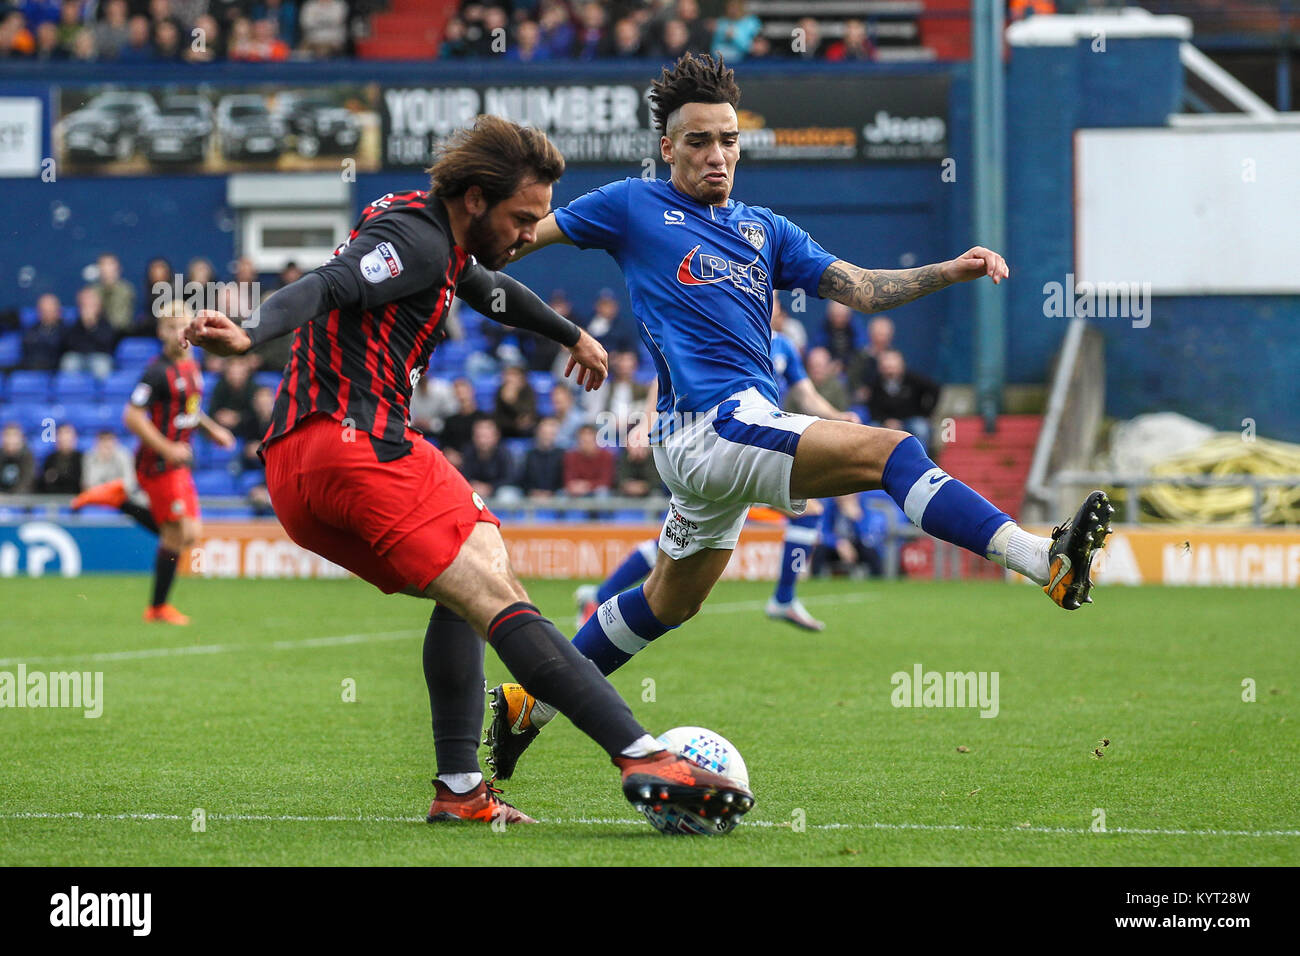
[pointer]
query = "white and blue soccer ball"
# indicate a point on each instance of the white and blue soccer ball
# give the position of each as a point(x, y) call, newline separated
point(713, 752)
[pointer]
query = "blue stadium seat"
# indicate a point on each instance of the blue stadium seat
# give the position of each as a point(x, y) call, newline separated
point(542, 382)
point(217, 456)
point(118, 386)
point(75, 387)
point(485, 391)
point(27, 387)
point(90, 417)
point(213, 483)
point(249, 480)
point(269, 379)
point(33, 415)
point(136, 350)
point(11, 349)
point(69, 313)
point(27, 316)
point(518, 448)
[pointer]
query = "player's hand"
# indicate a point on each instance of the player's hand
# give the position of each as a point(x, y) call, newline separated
point(976, 263)
point(177, 453)
point(589, 357)
point(851, 417)
point(222, 436)
point(213, 332)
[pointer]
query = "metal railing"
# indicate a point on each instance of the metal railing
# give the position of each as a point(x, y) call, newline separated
point(1133, 484)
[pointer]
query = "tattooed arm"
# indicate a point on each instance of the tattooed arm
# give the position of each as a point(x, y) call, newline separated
point(875, 290)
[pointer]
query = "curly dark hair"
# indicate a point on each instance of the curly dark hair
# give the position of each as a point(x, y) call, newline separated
point(497, 156)
point(695, 78)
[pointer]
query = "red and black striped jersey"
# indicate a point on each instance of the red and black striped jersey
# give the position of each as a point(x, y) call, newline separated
point(172, 394)
point(390, 285)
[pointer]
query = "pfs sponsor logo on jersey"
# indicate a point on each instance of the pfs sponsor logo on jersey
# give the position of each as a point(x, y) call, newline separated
point(189, 418)
point(754, 232)
point(707, 269)
point(381, 263)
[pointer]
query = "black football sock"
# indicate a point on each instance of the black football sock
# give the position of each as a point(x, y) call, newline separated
point(164, 570)
point(553, 670)
point(453, 669)
point(140, 514)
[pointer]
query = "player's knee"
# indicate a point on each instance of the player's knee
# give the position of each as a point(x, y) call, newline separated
point(871, 454)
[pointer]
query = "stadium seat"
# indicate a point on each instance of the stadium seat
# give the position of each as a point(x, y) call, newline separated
point(216, 456)
point(27, 316)
point(118, 386)
point(90, 417)
point(249, 480)
point(75, 387)
point(542, 382)
point(214, 483)
point(485, 391)
point(270, 380)
point(27, 387)
point(11, 349)
point(136, 350)
point(33, 415)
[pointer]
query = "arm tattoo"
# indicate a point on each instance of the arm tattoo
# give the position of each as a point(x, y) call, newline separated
point(875, 290)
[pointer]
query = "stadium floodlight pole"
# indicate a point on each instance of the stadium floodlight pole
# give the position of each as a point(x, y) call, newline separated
point(988, 110)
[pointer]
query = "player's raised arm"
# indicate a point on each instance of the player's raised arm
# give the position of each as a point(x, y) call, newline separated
point(548, 233)
point(875, 290)
point(282, 312)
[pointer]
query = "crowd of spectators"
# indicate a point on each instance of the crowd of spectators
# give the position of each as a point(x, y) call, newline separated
point(501, 410)
point(189, 31)
point(530, 31)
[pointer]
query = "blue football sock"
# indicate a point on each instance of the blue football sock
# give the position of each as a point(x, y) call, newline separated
point(796, 554)
point(629, 574)
point(621, 626)
point(937, 503)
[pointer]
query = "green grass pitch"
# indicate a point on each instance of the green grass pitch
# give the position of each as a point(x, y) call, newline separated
point(243, 715)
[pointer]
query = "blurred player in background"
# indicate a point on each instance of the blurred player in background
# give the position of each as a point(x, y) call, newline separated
point(701, 269)
point(350, 480)
point(164, 410)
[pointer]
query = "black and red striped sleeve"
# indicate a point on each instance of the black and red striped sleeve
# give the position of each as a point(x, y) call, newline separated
point(393, 256)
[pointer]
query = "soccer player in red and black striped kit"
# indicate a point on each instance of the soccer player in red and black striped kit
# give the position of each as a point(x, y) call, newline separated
point(164, 410)
point(352, 481)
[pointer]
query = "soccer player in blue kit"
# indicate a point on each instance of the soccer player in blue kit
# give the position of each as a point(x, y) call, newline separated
point(701, 269)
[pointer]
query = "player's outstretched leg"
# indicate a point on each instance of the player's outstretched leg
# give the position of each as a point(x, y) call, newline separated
point(453, 670)
point(113, 494)
point(835, 458)
point(631, 572)
point(480, 587)
point(796, 555)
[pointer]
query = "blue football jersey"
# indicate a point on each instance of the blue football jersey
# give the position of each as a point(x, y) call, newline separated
point(700, 279)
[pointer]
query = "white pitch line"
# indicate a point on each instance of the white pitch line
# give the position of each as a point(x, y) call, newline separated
point(344, 639)
point(191, 649)
point(595, 821)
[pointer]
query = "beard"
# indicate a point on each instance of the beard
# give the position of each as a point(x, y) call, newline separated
point(481, 243)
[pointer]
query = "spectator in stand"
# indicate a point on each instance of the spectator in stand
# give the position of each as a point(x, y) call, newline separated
point(69, 23)
point(567, 414)
point(824, 372)
point(16, 41)
point(788, 326)
point(88, 343)
point(17, 466)
point(697, 28)
point(476, 43)
point(455, 45)
point(593, 42)
point(187, 14)
point(674, 40)
point(157, 274)
point(760, 48)
point(840, 335)
point(432, 400)
point(627, 42)
point(806, 44)
point(83, 46)
point(856, 44)
point(527, 47)
point(111, 33)
point(325, 28)
point(863, 370)
point(254, 425)
point(139, 41)
point(48, 46)
point(735, 31)
point(231, 405)
point(609, 328)
point(903, 399)
point(108, 460)
point(459, 427)
point(622, 397)
point(205, 43)
point(61, 470)
point(289, 19)
point(43, 342)
point(543, 471)
point(588, 468)
point(485, 463)
point(515, 411)
point(494, 40)
point(115, 293)
point(167, 46)
point(636, 475)
point(557, 30)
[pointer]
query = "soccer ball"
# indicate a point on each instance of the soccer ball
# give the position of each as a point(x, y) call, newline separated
point(713, 752)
